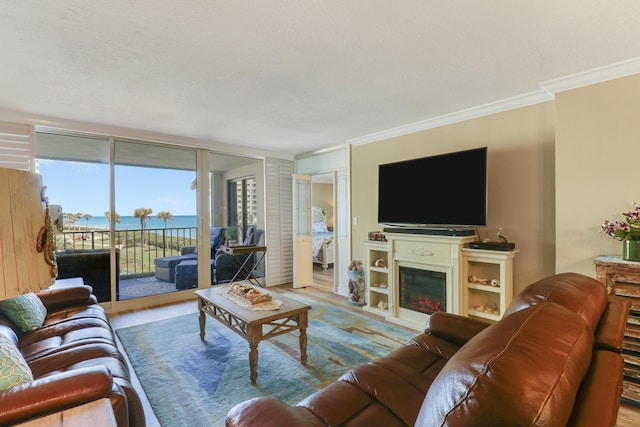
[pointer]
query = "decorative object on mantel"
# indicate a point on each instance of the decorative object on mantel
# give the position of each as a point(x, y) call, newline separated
point(628, 232)
point(501, 245)
point(356, 283)
point(422, 252)
point(377, 236)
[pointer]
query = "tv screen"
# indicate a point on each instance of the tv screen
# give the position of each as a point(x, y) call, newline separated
point(442, 191)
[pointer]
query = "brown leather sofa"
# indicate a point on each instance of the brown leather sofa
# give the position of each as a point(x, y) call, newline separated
point(74, 359)
point(552, 360)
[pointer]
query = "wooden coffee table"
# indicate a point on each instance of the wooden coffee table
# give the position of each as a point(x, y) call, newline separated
point(255, 326)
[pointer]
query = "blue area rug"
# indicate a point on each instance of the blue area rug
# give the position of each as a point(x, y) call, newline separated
point(191, 382)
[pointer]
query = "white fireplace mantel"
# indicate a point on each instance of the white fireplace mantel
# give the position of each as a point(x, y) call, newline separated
point(422, 251)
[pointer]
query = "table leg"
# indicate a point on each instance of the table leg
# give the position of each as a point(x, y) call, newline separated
point(254, 335)
point(303, 345)
point(302, 323)
point(201, 318)
point(253, 362)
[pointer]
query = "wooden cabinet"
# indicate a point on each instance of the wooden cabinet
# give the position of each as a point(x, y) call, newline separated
point(487, 283)
point(378, 278)
point(622, 278)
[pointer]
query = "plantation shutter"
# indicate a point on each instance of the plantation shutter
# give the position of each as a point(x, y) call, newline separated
point(279, 221)
point(16, 146)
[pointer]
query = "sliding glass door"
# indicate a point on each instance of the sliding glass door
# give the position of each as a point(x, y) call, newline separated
point(236, 202)
point(75, 170)
point(131, 217)
point(155, 218)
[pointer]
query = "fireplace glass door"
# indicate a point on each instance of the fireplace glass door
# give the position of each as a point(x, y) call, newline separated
point(422, 291)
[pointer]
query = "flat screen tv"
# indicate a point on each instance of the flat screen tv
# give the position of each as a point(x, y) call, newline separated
point(441, 191)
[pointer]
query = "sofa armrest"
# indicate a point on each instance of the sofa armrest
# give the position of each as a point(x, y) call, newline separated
point(454, 328)
point(53, 393)
point(610, 331)
point(67, 296)
point(270, 412)
point(598, 399)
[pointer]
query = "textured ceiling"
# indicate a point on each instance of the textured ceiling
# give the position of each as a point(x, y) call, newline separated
point(294, 76)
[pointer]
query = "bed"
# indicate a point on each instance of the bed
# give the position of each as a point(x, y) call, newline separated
point(322, 246)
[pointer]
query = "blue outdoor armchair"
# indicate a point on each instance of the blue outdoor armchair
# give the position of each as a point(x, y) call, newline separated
point(165, 267)
point(225, 267)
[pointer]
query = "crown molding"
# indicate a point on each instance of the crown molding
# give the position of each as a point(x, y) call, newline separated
point(547, 92)
point(594, 76)
point(459, 116)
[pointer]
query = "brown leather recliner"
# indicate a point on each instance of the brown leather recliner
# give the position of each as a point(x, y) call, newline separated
point(552, 360)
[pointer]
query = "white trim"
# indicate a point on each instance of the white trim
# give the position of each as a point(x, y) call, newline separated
point(459, 116)
point(547, 92)
point(326, 150)
point(590, 77)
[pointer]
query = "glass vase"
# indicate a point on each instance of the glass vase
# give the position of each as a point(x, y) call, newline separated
point(631, 249)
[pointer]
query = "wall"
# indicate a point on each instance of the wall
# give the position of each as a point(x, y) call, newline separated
point(597, 142)
point(520, 178)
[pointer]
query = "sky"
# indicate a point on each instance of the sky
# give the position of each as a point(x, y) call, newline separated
point(84, 188)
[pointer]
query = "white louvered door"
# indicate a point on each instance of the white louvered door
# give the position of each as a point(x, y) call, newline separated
point(16, 146)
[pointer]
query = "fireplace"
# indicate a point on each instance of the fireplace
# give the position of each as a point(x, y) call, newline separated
point(422, 274)
point(422, 290)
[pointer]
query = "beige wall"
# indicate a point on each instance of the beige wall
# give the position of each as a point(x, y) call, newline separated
point(597, 147)
point(520, 178)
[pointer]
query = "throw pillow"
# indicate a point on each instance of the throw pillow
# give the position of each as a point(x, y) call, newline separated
point(13, 368)
point(26, 311)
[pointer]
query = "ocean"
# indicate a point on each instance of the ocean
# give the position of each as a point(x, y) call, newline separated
point(132, 223)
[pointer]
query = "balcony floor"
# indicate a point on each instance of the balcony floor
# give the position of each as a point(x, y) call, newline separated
point(144, 287)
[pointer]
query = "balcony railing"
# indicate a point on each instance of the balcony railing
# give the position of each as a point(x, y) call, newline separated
point(138, 248)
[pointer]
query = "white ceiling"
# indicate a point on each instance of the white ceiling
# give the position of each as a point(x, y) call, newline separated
point(294, 76)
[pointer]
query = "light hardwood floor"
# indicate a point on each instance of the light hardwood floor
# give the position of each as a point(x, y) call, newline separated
point(629, 416)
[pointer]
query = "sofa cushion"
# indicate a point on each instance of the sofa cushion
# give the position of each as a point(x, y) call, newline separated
point(216, 237)
point(27, 311)
point(65, 334)
point(172, 261)
point(13, 368)
point(524, 370)
point(580, 294)
point(248, 238)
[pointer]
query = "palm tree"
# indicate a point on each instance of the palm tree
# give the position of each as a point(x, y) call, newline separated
point(72, 217)
point(116, 216)
point(143, 214)
point(87, 217)
point(164, 215)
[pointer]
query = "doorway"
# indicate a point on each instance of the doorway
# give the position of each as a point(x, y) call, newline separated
point(323, 230)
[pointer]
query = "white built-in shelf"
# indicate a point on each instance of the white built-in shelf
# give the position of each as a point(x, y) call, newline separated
point(481, 300)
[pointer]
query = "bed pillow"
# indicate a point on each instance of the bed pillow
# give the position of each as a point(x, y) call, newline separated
point(13, 368)
point(319, 227)
point(26, 311)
